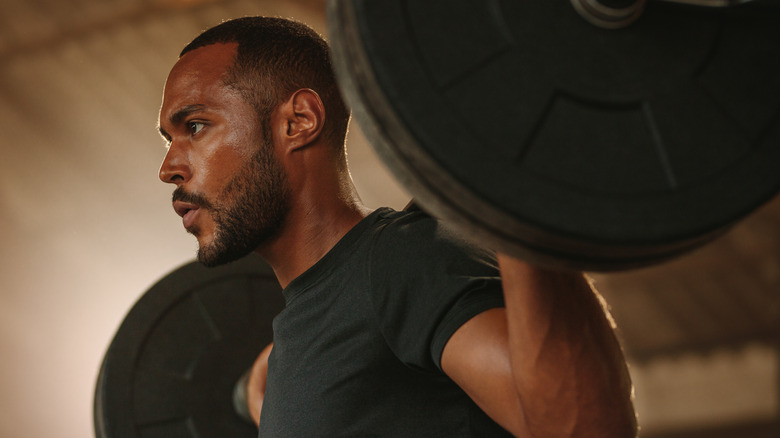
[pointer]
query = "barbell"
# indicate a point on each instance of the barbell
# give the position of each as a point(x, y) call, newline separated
point(587, 134)
point(540, 134)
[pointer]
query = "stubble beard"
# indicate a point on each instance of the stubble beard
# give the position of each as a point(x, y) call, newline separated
point(249, 211)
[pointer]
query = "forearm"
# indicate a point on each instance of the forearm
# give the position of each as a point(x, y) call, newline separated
point(257, 382)
point(567, 364)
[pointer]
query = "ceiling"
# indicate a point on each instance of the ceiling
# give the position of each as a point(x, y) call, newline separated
point(86, 226)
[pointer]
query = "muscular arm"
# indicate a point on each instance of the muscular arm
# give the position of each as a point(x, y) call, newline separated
point(549, 364)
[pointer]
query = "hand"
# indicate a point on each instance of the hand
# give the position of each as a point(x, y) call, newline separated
point(256, 384)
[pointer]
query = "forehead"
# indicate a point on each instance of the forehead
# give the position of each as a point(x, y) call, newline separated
point(197, 78)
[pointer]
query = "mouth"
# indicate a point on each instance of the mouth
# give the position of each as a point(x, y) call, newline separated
point(187, 211)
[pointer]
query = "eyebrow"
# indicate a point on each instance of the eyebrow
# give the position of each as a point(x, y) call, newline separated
point(181, 114)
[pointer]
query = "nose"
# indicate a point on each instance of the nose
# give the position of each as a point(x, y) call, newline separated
point(175, 168)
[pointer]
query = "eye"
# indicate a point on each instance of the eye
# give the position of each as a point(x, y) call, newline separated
point(195, 127)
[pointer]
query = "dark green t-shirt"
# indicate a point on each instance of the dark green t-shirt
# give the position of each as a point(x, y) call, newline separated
point(357, 348)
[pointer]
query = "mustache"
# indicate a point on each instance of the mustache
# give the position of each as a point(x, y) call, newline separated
point(192, 198)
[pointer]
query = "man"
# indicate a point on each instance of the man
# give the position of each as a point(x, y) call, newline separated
point(393, 325)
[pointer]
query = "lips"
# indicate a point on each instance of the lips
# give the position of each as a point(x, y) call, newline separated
point(187, 211)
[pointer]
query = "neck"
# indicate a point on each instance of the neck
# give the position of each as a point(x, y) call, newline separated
point(322, 211)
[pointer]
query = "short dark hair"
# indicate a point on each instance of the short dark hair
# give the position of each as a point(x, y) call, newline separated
point(275, 57)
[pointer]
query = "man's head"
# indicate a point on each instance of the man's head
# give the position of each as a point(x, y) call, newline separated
point(232, 191)
point(274, 58)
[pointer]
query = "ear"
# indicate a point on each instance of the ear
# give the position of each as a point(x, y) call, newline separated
point(300, 119)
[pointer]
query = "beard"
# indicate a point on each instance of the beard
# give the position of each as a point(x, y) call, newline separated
point(249, 211)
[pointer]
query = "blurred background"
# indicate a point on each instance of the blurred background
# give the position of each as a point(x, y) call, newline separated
point(87, 227)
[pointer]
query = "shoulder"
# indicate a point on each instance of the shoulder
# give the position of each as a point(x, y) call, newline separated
point(409, 242)
point(415, 235)
point(425, 282)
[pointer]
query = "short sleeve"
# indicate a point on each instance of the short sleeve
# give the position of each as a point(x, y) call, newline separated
point(425, 283)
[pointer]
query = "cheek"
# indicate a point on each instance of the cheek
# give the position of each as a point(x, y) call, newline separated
point(220, 160)
point(245, 139)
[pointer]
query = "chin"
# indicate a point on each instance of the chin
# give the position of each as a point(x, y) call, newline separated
point(216, 255)
point(210, 259)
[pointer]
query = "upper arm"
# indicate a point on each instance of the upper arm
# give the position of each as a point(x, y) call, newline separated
point(476, 358)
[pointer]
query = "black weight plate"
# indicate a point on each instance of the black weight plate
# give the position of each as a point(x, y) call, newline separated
point(551, 139)
point(171, 369)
